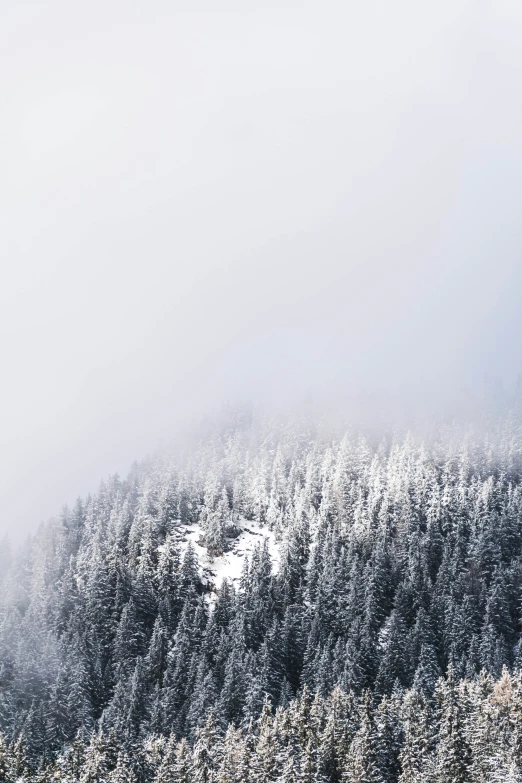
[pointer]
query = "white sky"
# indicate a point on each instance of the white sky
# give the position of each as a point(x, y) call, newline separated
point(205, 201)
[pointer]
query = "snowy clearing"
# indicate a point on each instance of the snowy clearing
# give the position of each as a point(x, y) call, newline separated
point(229, 566)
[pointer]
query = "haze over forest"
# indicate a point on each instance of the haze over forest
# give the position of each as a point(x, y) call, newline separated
point(215, 204)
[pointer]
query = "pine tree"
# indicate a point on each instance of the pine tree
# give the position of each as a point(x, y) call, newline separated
point(95, 768)
point(227, 771)
point(17, 762)
point(206, 755)
point(362, 762)
point(5, 773)
point(122, 772)
point(453, 752)
point(184, 771)
point(415, 751)
point(264, 766)
point(70, 762)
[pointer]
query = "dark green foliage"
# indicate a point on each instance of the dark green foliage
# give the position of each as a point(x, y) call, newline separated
point(470, 732)
point(397, 562)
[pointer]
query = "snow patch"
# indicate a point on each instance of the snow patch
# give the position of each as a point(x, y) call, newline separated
point(214, 570)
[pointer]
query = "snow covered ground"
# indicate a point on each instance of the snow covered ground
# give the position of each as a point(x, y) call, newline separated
point(230, 564)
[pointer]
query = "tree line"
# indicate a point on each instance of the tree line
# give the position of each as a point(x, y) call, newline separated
point(466, 731)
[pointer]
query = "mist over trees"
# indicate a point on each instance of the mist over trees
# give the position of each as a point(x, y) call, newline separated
point(384, 644)
point(304, 214)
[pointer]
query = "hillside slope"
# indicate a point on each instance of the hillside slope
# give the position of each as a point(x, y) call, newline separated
point(265, 561)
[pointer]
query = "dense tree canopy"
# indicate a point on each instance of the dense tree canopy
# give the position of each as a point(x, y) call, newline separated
point(384, 643)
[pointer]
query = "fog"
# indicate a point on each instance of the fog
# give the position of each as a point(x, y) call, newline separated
point(204, 203)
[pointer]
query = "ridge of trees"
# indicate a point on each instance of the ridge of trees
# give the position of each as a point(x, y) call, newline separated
point(401, 562)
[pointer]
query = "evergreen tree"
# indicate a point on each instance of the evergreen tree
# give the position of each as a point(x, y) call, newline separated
point(362, 762)
point(453, 752)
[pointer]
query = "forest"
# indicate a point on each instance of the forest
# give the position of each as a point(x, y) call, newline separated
point(373, 633)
